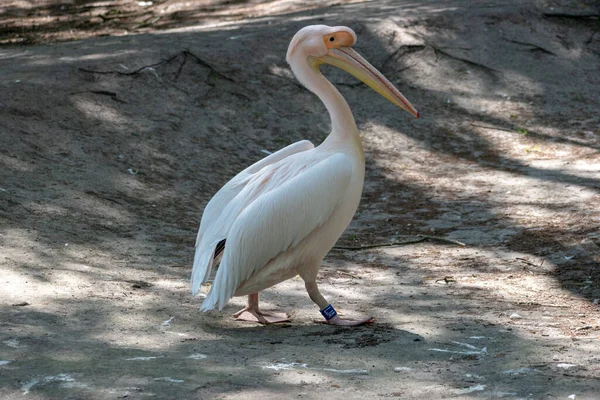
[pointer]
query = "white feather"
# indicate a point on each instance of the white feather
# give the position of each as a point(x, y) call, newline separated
point(292, 198)
point(218, 216)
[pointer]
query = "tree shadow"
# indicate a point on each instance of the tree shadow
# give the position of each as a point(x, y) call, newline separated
point(117, 351)
point(177, 123)
point(59, 20)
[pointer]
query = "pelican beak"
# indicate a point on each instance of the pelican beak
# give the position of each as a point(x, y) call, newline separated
point(352, 62)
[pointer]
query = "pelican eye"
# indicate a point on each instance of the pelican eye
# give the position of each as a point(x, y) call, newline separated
point(337, 39)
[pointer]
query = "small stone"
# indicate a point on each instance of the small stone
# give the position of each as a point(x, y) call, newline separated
point(566, 366)
point(515, 316)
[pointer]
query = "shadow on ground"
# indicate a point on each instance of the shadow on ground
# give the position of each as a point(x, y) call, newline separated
point(112, 146)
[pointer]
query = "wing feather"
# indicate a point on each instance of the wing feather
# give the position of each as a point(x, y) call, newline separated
point(279, 219)
point(218, 215)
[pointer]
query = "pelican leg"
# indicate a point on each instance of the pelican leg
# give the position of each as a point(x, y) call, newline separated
point(317, 297)
point(253, 314)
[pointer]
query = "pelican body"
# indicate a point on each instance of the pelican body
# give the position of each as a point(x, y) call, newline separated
point(280, 217)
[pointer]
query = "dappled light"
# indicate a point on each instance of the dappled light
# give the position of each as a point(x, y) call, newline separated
point(120, 126)
point(27, 22)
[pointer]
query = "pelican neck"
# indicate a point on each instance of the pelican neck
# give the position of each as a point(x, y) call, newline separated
point(343, 126)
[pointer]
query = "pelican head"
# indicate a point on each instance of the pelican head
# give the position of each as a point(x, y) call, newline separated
point(322, 44)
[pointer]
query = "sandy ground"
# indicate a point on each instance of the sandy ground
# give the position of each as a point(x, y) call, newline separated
point(110, 147)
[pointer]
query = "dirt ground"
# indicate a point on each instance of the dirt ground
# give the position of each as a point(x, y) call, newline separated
point(111, 146)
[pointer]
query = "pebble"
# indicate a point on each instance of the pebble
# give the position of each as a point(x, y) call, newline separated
point(566, 366)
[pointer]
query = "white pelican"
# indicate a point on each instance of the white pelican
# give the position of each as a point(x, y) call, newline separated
point(279, 217)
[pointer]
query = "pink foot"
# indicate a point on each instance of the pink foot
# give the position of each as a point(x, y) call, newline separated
point(256, 315)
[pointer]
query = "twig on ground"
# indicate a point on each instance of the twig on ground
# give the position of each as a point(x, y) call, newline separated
point(421, 238)
point(534, 46)
point(113, 95)
point(148, 22)
point(579, 376)
point(407, 50)
point(585, 327)
point(526, 261)
point(108, 17)
point(591, 38)
point(185, 53)
point(446, 280)
point(529, 303)
point(443, 240)
point(207, 65)
point(348, 274)
point(493, 127)
point(134, 72)
point(571, 14)
point(405, 68)
point(493, 71)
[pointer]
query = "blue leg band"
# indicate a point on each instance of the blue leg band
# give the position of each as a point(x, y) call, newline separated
point(328, 312)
